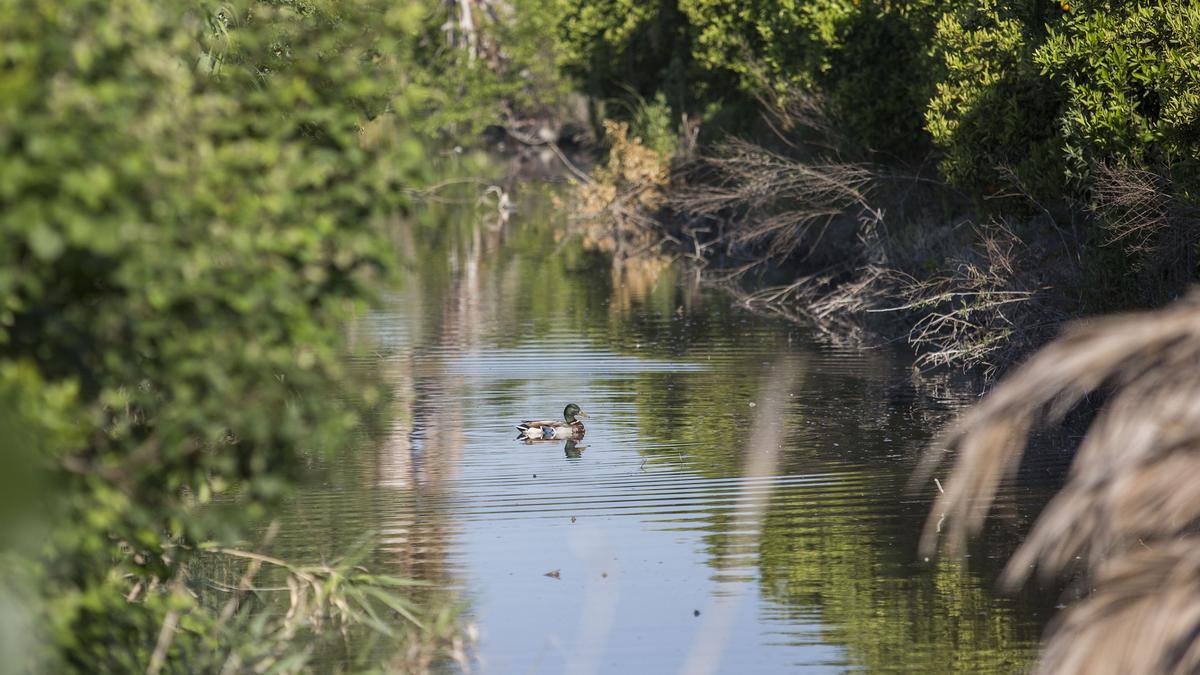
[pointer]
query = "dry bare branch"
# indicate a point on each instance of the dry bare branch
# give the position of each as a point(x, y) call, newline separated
point(966, 313)
point(1134, 205)
point(785, 204)
point(1160, 231)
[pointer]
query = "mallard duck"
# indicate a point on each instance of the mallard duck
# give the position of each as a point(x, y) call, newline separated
point(540, 430)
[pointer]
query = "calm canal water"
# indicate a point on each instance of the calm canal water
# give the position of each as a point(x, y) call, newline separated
point(738, 504)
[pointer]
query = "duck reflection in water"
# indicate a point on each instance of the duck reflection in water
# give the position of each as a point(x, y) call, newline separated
point(573, 450)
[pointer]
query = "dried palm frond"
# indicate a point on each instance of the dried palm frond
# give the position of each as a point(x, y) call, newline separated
point(1131, 504)
point(1143, 619)
point(1127, 481)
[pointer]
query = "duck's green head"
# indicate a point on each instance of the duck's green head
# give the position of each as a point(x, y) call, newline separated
point(572, 411)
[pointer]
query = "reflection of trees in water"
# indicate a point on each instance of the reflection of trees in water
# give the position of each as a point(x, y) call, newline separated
point(415, 466)
point(470, 287)
point(835, 550)
point(841, 549)
point(635, 280)
point(422, 453)
point(824, 555)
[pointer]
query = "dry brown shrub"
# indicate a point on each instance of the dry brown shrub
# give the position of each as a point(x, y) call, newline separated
point(1134, 205)
point(803, 112)
point(1130, 497)
point(615, 208)
point(634, 173)
point(1141, 212)
point(772, 205)
point(969, 313)
point(782, 203)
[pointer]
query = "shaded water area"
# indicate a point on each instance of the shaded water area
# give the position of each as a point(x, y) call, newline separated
point(738, 503)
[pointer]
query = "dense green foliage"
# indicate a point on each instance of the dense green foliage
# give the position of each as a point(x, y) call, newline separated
point(1131, 73)
point(868, 58)
point(1040, 91)
point(506, 73)
point(192, 201)
point(1051, 97)
point(992, 107)
point(612, 47)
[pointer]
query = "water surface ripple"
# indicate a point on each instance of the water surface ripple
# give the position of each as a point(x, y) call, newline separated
point(670, 556)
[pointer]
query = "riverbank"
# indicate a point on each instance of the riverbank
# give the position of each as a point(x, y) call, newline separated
point(868, 253)
point(967, 177)
point(962, 176)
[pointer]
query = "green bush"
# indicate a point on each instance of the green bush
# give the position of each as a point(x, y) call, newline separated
point(870, 59)
point(1131, 74)
point(993, 111)
point(650, 122)
point(190, 208)
point(1032, 92)
point(614, 47)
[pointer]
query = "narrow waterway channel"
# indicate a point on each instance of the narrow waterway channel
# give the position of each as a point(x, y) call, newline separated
point(737, 505)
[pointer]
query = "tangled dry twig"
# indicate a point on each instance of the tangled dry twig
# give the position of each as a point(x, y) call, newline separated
point(1158, 230)
point(784, 204)
point(968, 313)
